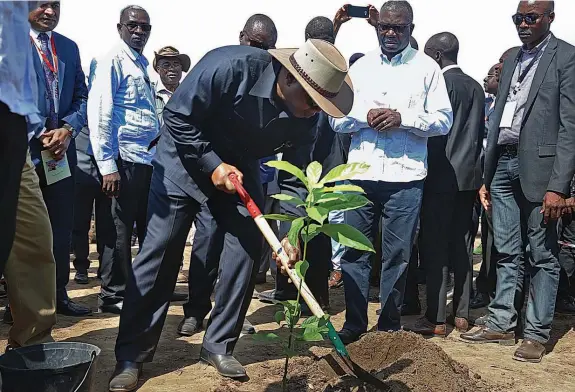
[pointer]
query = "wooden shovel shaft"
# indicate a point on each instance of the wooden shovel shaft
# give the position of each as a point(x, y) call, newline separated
point(276, 246)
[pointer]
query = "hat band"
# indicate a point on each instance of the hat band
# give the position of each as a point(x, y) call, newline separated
point(309, 80)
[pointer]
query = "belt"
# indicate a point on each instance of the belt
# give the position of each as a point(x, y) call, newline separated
point(508, 149)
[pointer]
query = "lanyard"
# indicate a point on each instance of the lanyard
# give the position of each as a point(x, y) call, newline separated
point(51, 67)
point(523, 74)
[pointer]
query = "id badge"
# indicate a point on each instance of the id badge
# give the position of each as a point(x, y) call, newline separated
point(508, 114)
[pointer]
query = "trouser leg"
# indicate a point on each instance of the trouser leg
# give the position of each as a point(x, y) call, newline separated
point(84, 196)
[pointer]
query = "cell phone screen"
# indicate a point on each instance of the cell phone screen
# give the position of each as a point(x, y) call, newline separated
point(357, 12)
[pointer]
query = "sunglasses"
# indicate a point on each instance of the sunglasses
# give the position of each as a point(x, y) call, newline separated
point(132, 27)
point(397, 28)
point(530, 18)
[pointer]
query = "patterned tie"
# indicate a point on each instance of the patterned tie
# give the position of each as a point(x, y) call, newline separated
point(51, 82)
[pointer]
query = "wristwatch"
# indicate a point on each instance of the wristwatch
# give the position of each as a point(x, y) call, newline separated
point(70, 130)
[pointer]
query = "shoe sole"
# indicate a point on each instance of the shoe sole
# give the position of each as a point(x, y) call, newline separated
point(123, 389)
point(188, 334)
point(220, 373)
point(536, 360)
point(510, 342)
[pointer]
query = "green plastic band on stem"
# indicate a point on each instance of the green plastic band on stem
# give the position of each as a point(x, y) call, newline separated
point(336, 341)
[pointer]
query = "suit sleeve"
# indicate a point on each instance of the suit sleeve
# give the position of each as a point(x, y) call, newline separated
point(564, 166)
point(208, 85)
point(77, 114)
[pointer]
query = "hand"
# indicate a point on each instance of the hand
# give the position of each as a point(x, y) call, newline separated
point(373, 16)
point(568, 211)
point(485, 198)
point(383, 119)
point(293, 253)
point(111, 184)
point(57, 142)
point(341, 16)
point(553, 205)
point(221, 178)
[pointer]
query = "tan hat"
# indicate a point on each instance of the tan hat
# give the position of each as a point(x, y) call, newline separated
point(170, 51)
point(322, 71)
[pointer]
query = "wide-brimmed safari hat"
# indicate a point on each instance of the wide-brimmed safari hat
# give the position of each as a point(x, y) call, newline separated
point(170, 51)
point(322, 71)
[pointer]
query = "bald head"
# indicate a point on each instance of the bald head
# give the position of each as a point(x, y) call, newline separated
point(259, 31)
point(443, 48)
point(320, 27)
point(548, 5)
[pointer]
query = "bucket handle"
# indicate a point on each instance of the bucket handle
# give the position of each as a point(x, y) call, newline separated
point(87, 371)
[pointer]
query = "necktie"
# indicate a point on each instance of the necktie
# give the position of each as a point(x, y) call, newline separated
point(51, 82)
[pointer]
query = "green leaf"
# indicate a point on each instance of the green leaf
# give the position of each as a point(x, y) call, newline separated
point(292, 311)
point(318, 214)
point(293, 234)
point(288, 198)
point(329, 197)
point(279, 316)
point(310, 321)
point(348, 236)
point(309, 233)
point(344, 172)
point(313, 173)
point(301, 268)
point(312, 336)
point(288, 167)
point(346, 202)
point(266, 337)
point(280, 217)
point(343, 188)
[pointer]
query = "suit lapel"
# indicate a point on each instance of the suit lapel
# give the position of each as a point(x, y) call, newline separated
point(540, 73)
point(38, 64)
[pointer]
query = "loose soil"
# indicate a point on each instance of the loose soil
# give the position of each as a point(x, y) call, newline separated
point(406, 362)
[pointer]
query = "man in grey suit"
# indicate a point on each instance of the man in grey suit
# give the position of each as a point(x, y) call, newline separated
point(529, 165)
point(453, 178)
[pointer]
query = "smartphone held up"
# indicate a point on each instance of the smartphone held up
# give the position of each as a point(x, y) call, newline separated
point(354, 11)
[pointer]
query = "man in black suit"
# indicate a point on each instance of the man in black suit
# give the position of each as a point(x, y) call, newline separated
point(237, 105)
point(529, 165)
point(454, 176)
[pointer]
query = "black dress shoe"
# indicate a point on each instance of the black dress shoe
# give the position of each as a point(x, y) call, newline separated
point(565, 305)
point(348, 337)
point(270, 297)
point(190, 326)
point(111, 308)
point(226, 365)
point(125, 377)
point(480, 300)
point(69, 308)
point(179, 297)
point(81, 277)
point(7, 318)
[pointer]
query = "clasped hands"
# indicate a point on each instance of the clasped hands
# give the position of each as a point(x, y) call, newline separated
point(56, 141)
point(383, 119)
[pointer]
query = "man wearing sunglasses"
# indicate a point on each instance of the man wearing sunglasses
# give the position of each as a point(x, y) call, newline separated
point(123, 122)
point(392, 117)
point(529, 165)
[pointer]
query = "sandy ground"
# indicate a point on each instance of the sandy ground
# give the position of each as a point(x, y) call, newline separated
point(176, 366)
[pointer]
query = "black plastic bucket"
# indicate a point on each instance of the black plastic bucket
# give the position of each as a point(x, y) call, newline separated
point(49, 367)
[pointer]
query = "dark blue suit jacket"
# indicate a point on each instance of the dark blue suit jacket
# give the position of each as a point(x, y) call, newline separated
point(73, 93)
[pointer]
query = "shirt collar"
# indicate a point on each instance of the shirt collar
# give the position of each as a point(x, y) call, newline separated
point(401, 58)
point(539, 47)
point(34, 34)
point(264, 87)
point(135, 56)
point(453, 66)
point(161, 89)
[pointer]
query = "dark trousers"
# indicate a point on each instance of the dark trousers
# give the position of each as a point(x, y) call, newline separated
point(319, 258)
point(13, 148)
point(567, 261)
point(518, 226)
point(445, 242)
point(170, 216)
point(59, 199)
point(271, 206)
point(411, 297)
point(88, 198)
point(487, 278)
point(128, 208)
point(398, 204)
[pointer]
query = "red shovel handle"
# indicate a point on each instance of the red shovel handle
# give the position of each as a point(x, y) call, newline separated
point(244, 195)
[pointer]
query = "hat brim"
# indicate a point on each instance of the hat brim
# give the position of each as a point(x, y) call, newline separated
point(184, 59)
point(338, 106)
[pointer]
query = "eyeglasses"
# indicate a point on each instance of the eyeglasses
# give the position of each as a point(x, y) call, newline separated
point(397, 28)
point(165, 65)
point(132, 27)
point(530, 18)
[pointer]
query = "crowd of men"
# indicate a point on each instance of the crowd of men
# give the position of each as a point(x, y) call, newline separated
point(154, 160)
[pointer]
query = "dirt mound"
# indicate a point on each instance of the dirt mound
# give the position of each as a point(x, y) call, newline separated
point(407, 362)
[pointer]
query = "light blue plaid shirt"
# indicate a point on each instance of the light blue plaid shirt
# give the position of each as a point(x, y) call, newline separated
point(121, 109)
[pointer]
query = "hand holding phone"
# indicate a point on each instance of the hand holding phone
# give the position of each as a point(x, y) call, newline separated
point(354, 11)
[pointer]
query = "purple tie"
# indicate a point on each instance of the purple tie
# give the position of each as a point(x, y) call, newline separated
point(51, 82)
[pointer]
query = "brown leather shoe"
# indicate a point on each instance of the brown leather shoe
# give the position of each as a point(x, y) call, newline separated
point(529, 351)
point(335, 280)
point(485, 335)
point(461, 324)
point(425, 327)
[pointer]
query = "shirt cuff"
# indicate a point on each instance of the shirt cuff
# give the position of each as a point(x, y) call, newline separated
point(209, 162)
point(107, 166)
point(410, 119)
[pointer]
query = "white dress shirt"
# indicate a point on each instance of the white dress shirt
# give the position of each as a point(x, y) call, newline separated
point(18, 85)
point(412, 84)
